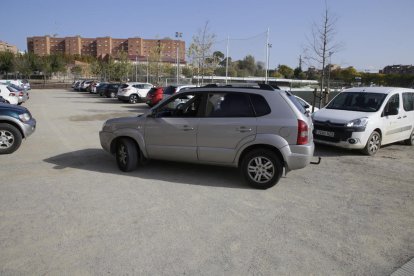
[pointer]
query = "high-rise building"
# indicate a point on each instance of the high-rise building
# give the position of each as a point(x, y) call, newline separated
point(4, 46)
point(101, 47)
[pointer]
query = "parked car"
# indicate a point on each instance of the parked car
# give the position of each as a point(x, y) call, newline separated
point(307, 106)
point(258, 130)
point(16, 123)
point(133, 92)
point(85, 85)
point(77, 85)
point(21, 93)
point(111, 90)
point(366, 118)
point(157, 95)
point(154, 96)
point(8, 94)
point(100, 90)
point(26, 85)
point(92, 87)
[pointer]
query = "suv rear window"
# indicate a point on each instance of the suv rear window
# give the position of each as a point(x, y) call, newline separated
point(295, 101)
point(124, 85)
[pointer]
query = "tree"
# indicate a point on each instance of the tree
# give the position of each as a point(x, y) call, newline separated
point(200, 48)
point(321, 45)
point(285, 71)
point(22, 64)
point(6, 62)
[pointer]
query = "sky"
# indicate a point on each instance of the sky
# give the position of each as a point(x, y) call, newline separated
point(372, 33)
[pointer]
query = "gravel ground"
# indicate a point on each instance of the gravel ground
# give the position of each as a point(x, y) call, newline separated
point(65, 208)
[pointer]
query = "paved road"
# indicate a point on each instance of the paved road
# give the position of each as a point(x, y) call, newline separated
point(66, 209)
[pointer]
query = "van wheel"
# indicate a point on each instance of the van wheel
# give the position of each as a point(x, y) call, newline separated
point(261, 168)
point(373, 144)
point(126, 155)
point(10, 139)
point(133, 99)
point(410, 141)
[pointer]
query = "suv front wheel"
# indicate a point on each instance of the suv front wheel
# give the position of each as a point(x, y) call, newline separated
point(10, 138)
point(126, 155)
point(261, 168)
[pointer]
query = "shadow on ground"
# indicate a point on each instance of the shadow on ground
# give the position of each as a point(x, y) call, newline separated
point(98, 160)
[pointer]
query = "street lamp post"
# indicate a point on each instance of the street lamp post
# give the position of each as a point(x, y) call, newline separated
point(178, 35)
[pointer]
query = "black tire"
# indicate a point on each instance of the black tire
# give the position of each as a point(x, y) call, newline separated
point(410, 141)
point(133, 99)
point(373, 144)
point(126, 155)
point(261, 168)
point(10, 138)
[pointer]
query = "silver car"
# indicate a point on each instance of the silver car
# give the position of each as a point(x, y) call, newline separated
point(262, 131)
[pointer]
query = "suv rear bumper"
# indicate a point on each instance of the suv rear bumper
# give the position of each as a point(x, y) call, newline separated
point(297, 156)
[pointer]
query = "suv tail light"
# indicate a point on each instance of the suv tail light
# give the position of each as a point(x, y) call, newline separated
point(302, 133)
point(20, 94)
point(12, 94)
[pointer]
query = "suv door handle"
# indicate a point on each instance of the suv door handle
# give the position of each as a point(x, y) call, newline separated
point(244, 129)
point(187, 128)
point(405, 116)
point(399, 117)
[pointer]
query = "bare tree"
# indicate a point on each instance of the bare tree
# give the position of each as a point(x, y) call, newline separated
point(322, 45)
point(201, 47)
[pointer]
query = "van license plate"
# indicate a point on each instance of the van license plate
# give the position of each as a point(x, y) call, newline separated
point(325, 133)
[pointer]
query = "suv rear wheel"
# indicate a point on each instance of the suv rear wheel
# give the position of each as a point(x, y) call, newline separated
point(133, 99)
point(10, 138)
point(261, 168)
point(410, 141)
point(126, 155)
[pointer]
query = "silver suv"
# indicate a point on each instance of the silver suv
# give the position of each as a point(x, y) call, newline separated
point(260, 130)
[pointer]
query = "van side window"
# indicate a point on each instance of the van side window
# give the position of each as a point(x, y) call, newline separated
point(393, 103)
point(408, 101)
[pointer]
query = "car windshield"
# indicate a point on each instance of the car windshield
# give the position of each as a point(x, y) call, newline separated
point(170, 90)
point(357, 101)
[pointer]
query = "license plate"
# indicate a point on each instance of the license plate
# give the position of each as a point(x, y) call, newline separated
point(325, 133)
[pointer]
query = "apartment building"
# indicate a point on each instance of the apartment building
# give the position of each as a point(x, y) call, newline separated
point(398, 69)
point(4, 46)
point(101, 47)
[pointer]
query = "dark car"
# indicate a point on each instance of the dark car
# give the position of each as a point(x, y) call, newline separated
point(111, 90)
point(100, 89)
point(16, 123)
point(154, 96)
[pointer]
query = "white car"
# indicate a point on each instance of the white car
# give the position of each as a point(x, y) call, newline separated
point(8, 94)
point(133, 92)
point(366, 118)
point(306, 105)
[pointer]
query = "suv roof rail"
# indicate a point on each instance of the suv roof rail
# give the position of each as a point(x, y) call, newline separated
point(262, 86)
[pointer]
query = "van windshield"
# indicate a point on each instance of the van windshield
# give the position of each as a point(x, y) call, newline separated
point(357, 101)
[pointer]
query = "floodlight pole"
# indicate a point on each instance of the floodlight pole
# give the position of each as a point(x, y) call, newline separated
point(227, 58)
point(178, 35)
point(267, 55)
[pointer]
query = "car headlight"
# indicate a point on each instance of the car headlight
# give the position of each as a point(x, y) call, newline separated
point(361, 122)
point(24, 117)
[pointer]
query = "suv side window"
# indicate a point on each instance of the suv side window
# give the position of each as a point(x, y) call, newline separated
point(229, 105)
point(408, 101)
point(260, 105)
point(184, 106)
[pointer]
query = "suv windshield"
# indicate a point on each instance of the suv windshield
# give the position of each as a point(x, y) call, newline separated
point(357, 101)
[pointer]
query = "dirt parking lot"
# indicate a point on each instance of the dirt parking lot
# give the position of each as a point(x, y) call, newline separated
point(65, 208)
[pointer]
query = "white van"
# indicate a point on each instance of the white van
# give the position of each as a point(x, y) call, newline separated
point(9, 95)
point(366, 118)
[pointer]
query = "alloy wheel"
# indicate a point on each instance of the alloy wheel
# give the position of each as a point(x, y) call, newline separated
point(6, 139)
point(261, 169)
